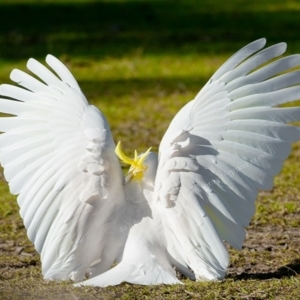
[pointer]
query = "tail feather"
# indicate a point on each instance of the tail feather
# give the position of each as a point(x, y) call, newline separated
point(128, 272)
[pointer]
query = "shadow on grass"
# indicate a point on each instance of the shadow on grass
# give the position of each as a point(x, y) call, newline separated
point(290, 270)
point(117, 28)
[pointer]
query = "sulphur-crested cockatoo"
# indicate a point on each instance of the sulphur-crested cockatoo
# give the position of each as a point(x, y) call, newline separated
point(174, 209)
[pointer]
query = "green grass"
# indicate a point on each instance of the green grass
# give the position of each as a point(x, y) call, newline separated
point(140, 62)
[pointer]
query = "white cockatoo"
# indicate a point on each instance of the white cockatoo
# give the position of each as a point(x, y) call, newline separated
point(174, 209)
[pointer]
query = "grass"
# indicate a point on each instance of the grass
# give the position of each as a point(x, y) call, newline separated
point(140, 62)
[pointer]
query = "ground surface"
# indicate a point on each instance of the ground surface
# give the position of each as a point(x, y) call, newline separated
point(139, 62)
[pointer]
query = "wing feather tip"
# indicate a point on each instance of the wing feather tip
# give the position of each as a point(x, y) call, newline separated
point(283, 45)
point(260, 43)
point(50, 57)
point(14, 75)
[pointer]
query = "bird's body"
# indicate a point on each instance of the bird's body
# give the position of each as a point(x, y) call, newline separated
point(174, 209)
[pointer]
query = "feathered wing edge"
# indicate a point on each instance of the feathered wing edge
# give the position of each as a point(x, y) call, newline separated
point(220, 150)
point(58, 155)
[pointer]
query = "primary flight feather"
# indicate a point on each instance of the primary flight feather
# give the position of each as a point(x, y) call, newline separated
point(172, 209)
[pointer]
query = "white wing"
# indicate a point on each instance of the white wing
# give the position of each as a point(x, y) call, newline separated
point(220, 149)
point(58, 155)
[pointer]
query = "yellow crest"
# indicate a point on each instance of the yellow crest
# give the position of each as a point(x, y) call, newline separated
point(137, 163)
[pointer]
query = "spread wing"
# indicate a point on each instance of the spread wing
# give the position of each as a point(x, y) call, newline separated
point(58, 155)
point(220, 150)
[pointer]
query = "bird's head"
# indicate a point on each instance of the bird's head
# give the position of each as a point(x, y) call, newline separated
point(138, 166)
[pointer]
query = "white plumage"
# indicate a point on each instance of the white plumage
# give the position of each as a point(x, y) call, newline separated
point(175, 209)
